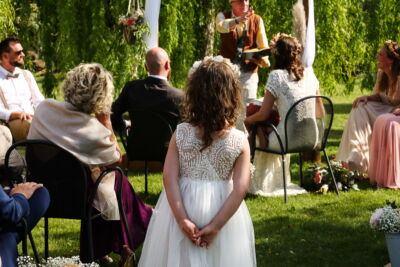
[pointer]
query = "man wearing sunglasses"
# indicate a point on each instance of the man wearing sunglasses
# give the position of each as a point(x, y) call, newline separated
point(19, 92)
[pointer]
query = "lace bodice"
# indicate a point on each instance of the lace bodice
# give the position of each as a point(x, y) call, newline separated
point(286, 93)
point(213, 163)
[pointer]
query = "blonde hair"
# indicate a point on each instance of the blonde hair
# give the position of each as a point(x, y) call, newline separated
point(89, 88)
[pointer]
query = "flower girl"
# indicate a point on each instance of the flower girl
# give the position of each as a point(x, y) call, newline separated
point(200, 218)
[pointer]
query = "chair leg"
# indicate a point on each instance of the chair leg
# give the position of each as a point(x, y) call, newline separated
point(301, 168)
point(24, 245)
point(331, 172)
point(46, 238)
point(33, 247)
point(146, 170)
point(284, 178)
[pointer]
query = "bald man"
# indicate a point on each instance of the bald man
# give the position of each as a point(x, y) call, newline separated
point(153, 93)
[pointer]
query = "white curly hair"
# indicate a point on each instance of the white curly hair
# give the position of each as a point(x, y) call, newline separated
point(89, 87)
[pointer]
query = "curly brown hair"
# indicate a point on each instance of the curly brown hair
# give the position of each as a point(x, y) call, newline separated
point(212, 100)
point(392, 52)
point(287, 56)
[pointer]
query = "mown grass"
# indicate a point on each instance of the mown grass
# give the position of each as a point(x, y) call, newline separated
point(310, 230)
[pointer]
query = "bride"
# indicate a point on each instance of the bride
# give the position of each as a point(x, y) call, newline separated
point(287, 83)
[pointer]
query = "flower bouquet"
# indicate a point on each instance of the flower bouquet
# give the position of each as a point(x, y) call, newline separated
point(133, 24)
point(27, 261)
point(387, 220)
point(318, 179)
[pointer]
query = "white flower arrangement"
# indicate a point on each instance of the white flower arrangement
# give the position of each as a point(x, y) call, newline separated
point(386, 219)
point(218, 58)
point(27, 261)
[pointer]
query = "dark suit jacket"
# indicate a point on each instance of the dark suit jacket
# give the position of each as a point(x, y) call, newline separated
point(150, 94)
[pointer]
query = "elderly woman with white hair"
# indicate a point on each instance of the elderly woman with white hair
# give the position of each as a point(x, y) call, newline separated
point(88, 89)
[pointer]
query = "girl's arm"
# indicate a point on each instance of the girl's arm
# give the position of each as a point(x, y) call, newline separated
point(241, 180)
point(264, 111)
point(170, 179)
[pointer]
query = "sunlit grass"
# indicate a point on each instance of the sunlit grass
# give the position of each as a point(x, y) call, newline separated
point(310, 230)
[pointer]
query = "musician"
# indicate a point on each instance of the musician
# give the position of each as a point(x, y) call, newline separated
point(241, 29)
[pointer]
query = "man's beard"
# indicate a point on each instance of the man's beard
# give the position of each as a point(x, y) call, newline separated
point(19, 63)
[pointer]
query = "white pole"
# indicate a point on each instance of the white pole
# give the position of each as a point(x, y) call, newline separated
point(151, 14)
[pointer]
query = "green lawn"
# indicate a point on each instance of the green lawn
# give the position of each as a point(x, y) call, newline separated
point(310, 230)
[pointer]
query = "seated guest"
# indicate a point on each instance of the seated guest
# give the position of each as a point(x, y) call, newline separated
point(384, 154)
point(287, 83)
point(88, 89)
point(27, 200)
point(153, 93)
point(19, 93)
point(5, 142)
point(355, 144)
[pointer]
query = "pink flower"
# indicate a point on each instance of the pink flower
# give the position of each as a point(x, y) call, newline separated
point(130, 21)
point(318, 177)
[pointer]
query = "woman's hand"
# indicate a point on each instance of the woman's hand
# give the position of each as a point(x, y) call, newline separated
point(206, 235)
point(361, 99)
point(396, 111)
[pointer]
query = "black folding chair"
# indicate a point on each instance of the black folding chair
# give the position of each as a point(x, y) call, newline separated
point(148, 137)
point(66, 179)
point(311, 133)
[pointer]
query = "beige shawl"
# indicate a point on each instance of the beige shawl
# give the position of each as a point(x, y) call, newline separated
point(79, 133)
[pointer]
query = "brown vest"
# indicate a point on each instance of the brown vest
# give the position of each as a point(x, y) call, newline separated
point(229, 40)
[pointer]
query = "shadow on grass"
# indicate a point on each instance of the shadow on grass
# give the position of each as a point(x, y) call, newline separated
point(318, 240)
point(342, 108)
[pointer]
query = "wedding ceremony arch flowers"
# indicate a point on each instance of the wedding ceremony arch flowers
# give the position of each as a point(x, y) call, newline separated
point(386, 219)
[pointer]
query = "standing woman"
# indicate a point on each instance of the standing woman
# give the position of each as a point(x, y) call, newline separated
point(355, 144)
point(384, 170)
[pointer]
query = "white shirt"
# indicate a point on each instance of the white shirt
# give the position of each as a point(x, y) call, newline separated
point(17, 93)
point(158, 77)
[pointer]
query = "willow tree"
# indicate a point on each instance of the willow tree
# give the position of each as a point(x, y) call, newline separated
point(6, 19)
point(348, 35)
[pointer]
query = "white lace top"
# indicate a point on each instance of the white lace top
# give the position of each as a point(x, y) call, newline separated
point(286, 93)
point(213, 163)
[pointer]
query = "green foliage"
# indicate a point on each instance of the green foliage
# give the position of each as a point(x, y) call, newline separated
point(73, 31)
point(65, 33)
point(6, 19)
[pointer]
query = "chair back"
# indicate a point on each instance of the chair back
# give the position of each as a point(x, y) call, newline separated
point(307, 124)
point(60, 172)
point(149, 135)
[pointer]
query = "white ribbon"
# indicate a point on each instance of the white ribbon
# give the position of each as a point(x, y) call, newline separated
point(151, 14)
point(309, 47)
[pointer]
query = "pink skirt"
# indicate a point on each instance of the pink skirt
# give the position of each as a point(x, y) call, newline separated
point(384, 154)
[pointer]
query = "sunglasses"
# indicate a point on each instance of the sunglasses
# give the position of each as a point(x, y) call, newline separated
point(19, 52)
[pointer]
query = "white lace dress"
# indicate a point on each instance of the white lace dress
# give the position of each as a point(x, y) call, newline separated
point(267, 179)
point(205, 181)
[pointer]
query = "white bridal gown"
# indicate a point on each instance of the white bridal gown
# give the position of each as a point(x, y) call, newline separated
point(205, 181)
point(267, 180)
